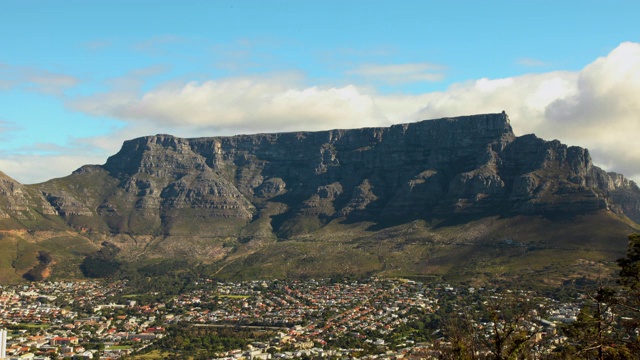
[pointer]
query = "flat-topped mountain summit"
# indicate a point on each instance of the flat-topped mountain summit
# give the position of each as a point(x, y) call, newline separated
point(410, 199)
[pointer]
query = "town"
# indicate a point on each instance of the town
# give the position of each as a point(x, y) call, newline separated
point(383, 318)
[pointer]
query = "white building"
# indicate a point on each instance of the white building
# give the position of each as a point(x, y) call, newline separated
point(3, 343)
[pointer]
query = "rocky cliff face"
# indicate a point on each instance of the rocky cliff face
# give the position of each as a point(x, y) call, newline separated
point(436, 168)
point(19, 203)
point(263, 186)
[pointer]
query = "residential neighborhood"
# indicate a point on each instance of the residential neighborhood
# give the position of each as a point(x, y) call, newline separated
point(310, 318)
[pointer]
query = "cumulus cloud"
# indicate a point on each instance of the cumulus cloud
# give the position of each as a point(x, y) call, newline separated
point(596, 107)
point(525, 98)
point(246, 105)
point(396, 74)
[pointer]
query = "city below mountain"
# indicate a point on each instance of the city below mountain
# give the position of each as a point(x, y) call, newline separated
point(456, 198)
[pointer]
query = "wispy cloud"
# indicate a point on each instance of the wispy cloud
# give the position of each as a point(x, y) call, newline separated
point(529, 62)
point(122, 90)
point(35, 168)
point(156, 45)
point(7, 128)
point(397, 74)
point(248, 55)
point(34, 79)
point(43, 161)
point(50, 83)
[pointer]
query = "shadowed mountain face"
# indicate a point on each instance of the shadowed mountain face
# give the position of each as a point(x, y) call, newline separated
point(231, 199)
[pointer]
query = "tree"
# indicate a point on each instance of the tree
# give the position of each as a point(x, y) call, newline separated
point(595, 334)
point(630, 294)
point(630, 265)
point(506, 329)
point(514, 327)
point(462, 338)
point(607, 326)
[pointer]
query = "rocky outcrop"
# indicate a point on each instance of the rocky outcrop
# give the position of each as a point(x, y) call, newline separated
point(623, 195)
point(226, 189)
point(17, 202)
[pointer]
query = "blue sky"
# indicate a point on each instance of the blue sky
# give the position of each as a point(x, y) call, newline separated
point(79, 77)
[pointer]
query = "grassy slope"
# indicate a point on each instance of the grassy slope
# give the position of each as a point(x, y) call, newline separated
point(19, 251)
point(536, 248)
point(532, 249)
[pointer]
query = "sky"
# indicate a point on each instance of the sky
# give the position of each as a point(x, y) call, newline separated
point(77, 78)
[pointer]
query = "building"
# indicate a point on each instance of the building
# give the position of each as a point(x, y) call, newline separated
point(64, 341)
point(3, 344)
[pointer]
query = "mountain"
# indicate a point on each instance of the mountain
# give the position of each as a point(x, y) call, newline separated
point(451, 197)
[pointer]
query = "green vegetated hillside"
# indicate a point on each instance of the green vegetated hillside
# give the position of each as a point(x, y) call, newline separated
point(530, 249)
point(37, 255)
point(457, 198)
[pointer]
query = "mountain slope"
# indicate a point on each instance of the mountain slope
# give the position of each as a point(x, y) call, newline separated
point(262, 204)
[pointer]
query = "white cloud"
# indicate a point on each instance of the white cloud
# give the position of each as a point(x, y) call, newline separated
point(34, 168)
point(44, 161)
point(524, 98)
point(596, 107)
point(244, 105)
point(123, 90)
